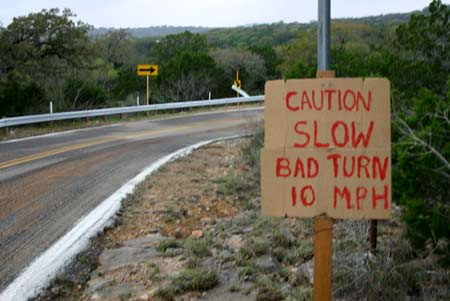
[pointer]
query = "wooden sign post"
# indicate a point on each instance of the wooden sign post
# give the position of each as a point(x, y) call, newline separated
point(323, 243)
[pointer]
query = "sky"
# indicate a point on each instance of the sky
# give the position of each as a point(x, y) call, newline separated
point(209, 13)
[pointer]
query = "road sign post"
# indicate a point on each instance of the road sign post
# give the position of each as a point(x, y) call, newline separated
point(147, 70)
point(237, 83)
point(148, 92)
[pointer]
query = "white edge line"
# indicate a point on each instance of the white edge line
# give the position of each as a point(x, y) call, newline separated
point(40, 272)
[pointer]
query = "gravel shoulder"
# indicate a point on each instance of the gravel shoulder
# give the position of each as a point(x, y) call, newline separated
point(193, 231)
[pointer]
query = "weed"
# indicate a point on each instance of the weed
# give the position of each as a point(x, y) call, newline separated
point(251, 151)
point(153, 266)
point(302, 293)
point(198, 247)
point(189, 280)
point(62, 281)
point(247, 272)
point(230, 185)
point(282, 254)
point(284, 273)
point(83, 259)
point(268, 291)
point(305, 249)
point(125, 296)
point(169, 219)
point(193, 262)
point(165, 244)
point(234, 288)
point(283, 237)
point(254, 248)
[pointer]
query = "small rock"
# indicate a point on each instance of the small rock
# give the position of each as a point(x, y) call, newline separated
point(177, 233)
point(286, 288)
point(303, 274)
point(97, 283)
point(197, 234)
point(111, 259)
point(144, 297)
point(143, 242)
point(206, 221)
point(225, 255)
point(172, 252)
point(267, 264)
point(117, 292)
point(247, 229)
point(235, 242)
point(288, 236)
point(236, 231)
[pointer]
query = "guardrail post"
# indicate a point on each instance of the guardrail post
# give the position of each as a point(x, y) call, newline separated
point(5, 132)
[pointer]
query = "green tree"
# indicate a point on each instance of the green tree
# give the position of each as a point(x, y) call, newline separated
point(117, 48)
point(270, 57)
point(422, 168)
point(170, 45)
point(187, 72)
point(40, 50)
point(423, 46)
point(251, 68)
point(421, 147)
point(188, 76)
point(302, 50)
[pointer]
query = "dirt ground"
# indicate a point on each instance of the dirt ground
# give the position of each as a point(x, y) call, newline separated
point(193, 231)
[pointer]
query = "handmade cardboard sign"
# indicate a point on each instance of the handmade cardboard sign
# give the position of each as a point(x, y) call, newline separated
point(327, 148)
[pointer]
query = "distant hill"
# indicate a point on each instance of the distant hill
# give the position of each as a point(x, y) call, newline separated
point(280, 33)
point(152, 31)
point(273, 34)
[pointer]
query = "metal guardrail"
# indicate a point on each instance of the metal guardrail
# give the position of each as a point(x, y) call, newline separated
point(30, 119)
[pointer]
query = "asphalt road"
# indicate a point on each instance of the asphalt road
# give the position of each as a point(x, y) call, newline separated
point(47, 183)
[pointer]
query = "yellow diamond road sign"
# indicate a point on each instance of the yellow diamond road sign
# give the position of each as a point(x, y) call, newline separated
point(237, 83)
point(147, 70)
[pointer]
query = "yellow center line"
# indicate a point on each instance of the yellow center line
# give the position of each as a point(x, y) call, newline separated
point(69, 148)
point(53, 152)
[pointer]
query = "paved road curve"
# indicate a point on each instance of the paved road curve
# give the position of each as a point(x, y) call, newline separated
point(48, 183)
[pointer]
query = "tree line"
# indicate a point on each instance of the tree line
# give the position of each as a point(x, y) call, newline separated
point(46, 56)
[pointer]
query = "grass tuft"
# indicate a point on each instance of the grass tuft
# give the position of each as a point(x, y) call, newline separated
point(189, 280)
point(165, 244)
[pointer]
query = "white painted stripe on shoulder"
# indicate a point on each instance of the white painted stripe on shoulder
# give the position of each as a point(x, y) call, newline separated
point(40, 272)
